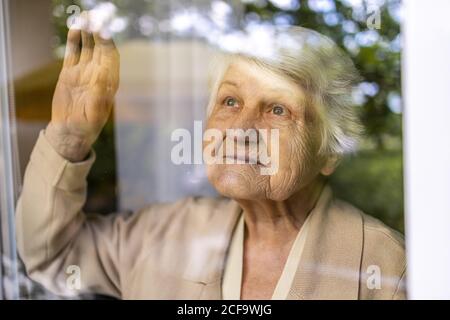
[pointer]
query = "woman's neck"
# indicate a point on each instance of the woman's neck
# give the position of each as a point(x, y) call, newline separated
point(275, 222)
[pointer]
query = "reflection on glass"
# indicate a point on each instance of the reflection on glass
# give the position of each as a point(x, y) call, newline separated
point(165, 49)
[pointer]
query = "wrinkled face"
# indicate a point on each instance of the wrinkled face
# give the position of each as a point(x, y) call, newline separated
point(251, 97)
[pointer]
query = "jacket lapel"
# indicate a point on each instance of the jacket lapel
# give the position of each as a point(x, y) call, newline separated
point(330, 265)
point(212, 253)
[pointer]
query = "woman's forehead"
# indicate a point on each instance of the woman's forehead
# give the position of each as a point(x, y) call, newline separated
point(247, 75)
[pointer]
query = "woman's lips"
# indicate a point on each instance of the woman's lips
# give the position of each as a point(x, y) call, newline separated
point(241, 159)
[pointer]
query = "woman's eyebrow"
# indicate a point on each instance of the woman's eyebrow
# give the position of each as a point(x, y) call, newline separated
point(229, 82)
point(277, 91)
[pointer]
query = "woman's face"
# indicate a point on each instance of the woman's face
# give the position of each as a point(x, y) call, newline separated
point(250, 97)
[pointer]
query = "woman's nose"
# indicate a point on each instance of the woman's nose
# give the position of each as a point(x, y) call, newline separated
point(246, 119)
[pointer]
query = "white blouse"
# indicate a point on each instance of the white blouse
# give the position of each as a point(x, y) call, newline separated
point(232, 280)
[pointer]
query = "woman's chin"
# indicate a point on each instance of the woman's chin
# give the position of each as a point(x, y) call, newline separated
point(236, 183)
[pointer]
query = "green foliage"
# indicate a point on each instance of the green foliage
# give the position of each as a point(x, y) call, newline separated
point(372, 181)
point(102, 179)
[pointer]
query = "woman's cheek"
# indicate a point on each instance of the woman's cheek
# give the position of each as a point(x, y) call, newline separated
point(295, 156)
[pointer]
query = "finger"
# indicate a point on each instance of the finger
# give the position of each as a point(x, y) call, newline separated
point(87, 41)
point(105, 88)
point(104, 79)
point(105, 49)
point(108, 80)
point(97, 49)
point(87, 50)
point(72, 53)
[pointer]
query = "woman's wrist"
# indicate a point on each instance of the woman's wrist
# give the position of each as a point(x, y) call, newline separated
point(73, 148)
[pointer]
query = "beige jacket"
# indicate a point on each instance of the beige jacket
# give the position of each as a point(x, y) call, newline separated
point(178, 250)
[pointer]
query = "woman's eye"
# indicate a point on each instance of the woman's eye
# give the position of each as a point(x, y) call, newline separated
point(230, 102)
point(278, 110)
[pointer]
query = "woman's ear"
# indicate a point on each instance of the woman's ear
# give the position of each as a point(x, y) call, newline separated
point(331, 164)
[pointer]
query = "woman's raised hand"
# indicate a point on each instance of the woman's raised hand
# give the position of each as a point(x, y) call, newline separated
point(85, 91)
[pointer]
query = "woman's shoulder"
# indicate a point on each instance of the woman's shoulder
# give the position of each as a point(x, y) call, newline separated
point(375, 231)
point(378, 230)
point(383, 254)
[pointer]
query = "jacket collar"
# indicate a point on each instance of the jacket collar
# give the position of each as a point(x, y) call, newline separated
point(213, 249)
point(330, 264)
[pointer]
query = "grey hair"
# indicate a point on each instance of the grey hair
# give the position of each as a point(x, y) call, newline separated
point(322, 69)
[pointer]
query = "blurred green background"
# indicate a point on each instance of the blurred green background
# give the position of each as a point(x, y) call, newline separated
point(368, 30)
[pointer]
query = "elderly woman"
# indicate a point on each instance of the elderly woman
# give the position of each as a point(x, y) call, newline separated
point(272, 236)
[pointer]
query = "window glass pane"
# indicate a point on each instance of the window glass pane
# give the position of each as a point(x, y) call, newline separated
point(166, 54)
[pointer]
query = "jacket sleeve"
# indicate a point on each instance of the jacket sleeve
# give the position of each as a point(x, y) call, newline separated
point(62, 248)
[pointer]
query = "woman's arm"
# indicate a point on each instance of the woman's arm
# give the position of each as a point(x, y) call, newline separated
point(56, 241)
